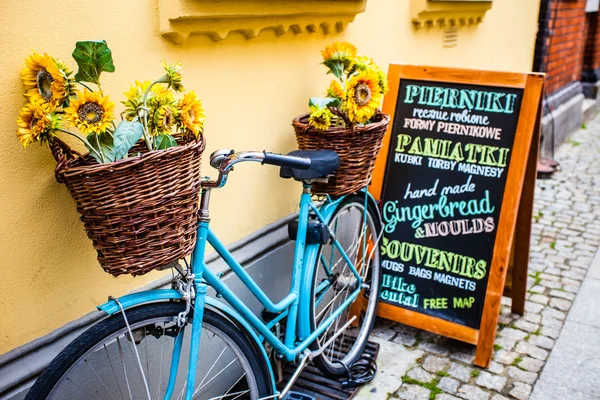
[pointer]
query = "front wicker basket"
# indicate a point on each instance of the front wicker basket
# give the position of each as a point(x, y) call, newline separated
point(356, 146)
point(141, 213)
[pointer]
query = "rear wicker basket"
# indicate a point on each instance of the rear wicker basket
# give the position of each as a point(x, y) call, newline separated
point(356, 146)
point(141, 213)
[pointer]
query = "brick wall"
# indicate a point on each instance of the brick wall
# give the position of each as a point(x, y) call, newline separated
point(591, 57)
point(566, 45)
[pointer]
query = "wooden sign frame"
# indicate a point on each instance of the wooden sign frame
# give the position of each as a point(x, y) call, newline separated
point(514, 222)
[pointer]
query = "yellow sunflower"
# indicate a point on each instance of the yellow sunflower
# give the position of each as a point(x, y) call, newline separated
point(36, 123)
point(191, 113)
point(174, 76)
point(339, 57)
point(163, 113)
point(47, 79)
point(335, 90)
point(91, 112)
point(363, 96)
point(135, 97)
point(364, 63)
point(320, 117)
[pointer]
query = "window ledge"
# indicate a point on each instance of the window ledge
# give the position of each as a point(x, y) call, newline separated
point(429, 13)
point(218, 18)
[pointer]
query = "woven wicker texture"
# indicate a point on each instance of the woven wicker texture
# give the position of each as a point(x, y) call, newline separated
point(357, 147)
point(141, 212)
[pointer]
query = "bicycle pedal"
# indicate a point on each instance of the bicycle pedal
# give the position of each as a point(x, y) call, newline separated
point(298, 396)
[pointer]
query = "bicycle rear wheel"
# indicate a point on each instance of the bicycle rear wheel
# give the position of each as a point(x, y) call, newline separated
point(357, 230)
point(101, 363)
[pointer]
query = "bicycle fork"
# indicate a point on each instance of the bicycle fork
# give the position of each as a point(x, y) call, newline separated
point(194, 293)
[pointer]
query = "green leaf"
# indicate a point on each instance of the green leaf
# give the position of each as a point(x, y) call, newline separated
point(102, 143)
point(336, 67)
point(126, 135)
point(93, 57)
point(323, 102)
point(165, 141)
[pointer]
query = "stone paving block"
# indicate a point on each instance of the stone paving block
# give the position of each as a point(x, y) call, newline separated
point(448, 385)
point(470, 392)
point(531, 350)
point(445, 396)
point(562, 294)
point(531, 364)
point(520, 391)
point(521, 375)
point(413, 392)
point(406, 339)
point(512, 333)
point(533, 307)
point(526, 326)
point(541, 341)
point(553, 313)
point(533, 318)
point(550, 332)
point(495, 368)
point(435, 364)
point(420, 375)
point(489, 381)
point(459, 371)
point(499, 397)
point(505, 357)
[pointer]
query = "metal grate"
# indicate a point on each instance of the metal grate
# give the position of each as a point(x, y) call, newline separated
point(313, 383)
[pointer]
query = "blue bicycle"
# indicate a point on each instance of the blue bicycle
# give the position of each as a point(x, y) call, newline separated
point(180, 343)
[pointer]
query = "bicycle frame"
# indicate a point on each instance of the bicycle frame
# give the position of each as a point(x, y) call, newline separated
point(295, 306)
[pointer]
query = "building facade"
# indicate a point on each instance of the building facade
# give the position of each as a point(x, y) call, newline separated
point(254, 64)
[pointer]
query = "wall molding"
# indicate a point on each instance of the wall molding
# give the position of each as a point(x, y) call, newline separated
point(428, 13)
point(258, 253)
point(179, 19)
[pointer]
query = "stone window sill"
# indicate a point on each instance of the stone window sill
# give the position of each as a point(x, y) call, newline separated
point(218, 18)
point(429, 13)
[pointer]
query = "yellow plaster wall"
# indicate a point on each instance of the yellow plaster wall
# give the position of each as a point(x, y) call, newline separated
point(251, 90)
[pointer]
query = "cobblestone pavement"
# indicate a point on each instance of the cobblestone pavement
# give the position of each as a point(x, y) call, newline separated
point(565, 237)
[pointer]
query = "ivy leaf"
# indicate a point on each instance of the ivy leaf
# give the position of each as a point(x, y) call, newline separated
point(323, 102)
point(126, 135)
point(92, 57)
point(165, 141)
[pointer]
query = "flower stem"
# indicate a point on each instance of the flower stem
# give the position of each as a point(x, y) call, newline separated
point(85, 86)
point(100, 149)
point(89, 146)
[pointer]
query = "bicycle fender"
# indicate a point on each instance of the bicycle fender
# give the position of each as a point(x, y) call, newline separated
point(151, 296)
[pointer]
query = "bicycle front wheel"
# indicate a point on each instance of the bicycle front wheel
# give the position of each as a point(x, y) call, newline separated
point(356, 228)
point(102, 362)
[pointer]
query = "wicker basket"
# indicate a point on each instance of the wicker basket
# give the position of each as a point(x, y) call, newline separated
point(357, 147)
point(141, 213)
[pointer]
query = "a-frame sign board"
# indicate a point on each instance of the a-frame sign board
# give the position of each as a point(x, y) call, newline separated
point(455, 178)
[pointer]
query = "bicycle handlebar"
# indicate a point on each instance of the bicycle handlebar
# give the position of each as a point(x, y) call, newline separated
point(224, 160)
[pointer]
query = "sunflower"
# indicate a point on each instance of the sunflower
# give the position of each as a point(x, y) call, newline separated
point(363, 64)
point(135, 97)
point(363, 96)
point(36, 123)
point(191, 113)
point(173, 76)
point(339, 57)
point(47, 79)
point(320, 117)
point(163, 113)
point(335, 90)
point(91, 112)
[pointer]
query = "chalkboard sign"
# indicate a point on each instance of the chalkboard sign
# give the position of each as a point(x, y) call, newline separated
point(450, 181)
point(447, 166)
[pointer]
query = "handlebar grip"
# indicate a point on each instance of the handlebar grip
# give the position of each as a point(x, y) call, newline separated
point(286, 161)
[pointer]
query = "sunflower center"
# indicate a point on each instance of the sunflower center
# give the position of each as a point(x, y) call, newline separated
point(33, 123)
point(362, 94)
point(44, 82)
point(91, 113)
point(168, 119)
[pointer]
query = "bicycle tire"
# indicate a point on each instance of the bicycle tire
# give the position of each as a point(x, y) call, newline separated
point(94, 337)
point(334, 364)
